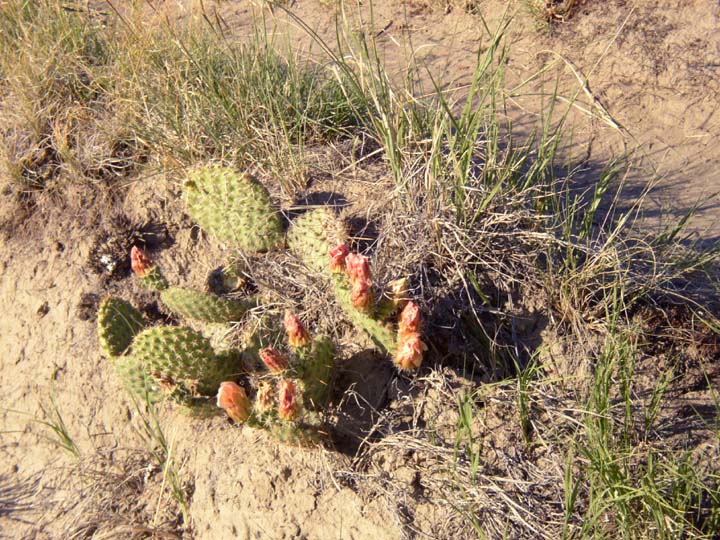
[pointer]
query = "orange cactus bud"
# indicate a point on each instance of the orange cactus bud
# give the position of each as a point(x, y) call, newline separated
point(287, 399)
point(409, 354)
point(234, 400)
point(297, 334)
point(265, 400)
point(358, 267)
point(273, 360)
point(140, 262)
point(361, 296)
point(337, 257)
point(410, 320)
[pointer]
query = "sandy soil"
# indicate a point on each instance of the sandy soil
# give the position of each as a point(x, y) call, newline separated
point(647, 72)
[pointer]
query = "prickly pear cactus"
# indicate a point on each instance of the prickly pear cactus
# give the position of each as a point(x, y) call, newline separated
point(206, 307)
point(185, 356)
point(234, 207)
point(148, 273)
point(118, 323)
point(315, 370)
point(136, 379)
point(312, 235)
point(382, 333)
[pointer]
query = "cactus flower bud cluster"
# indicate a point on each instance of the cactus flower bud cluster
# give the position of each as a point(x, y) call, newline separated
point(234, 400)
point(265, 399)
point(288, 407)
point(143, 267)
point(358, 271)
point(410, 347)
point(275, 361)
point(297, 335)
point(337, 257)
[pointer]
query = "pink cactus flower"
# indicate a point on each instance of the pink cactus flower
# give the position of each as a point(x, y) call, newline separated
point(234, 400)
point(273, 360)
point(298, 336)
point(409, 354)
point(140, 262)
point(361, 295)
point(358, 267)
point(410, 320)
point(337, 257)
point(287, 399)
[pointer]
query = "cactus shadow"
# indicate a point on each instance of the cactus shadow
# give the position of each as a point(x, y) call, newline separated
point(329, 199)
point(486, 339)
point(364, 233)
point(362, 388)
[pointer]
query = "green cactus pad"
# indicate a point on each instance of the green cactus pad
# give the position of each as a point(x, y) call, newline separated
point(298, 434)
point(206, 307)
point(313, 235)
point(154, 280)
point(186, 356)
point(315, 369)
point(118, 323)
point(136, 379)
point(234, 207)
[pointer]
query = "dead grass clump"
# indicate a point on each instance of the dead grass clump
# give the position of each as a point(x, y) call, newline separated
point(56, 122)
point(111, 494)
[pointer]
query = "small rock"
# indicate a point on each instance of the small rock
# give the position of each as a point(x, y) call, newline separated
point(43, 309)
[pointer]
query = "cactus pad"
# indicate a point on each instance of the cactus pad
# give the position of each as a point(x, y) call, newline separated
point(302, 435)
point(315, 370)
point(135, 379)
point(118, 323)
point(382, 334)
point(233, 207)
point(313, 235)
point(205, 307)
point(185, 356)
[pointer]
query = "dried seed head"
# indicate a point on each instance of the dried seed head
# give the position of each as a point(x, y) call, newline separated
point(273, 360)
point(265, 400)
point(398, 290)
point(287, 399)
point(234, 400)
point(297, 334)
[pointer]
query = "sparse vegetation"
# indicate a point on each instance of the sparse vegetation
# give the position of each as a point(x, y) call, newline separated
point(562, 341)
